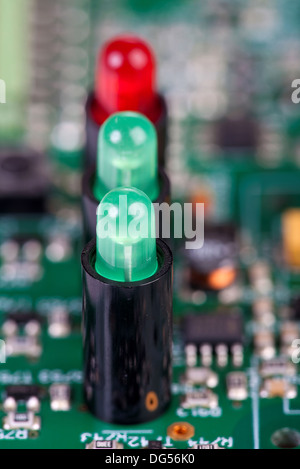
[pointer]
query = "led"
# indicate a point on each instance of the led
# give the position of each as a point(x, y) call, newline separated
point(125, 75)
point(126, 243)
point(127, 155)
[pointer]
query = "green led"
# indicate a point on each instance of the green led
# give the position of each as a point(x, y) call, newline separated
point(126, 243)
point(127, 155)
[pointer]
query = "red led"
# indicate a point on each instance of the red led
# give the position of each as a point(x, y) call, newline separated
point(125, 78)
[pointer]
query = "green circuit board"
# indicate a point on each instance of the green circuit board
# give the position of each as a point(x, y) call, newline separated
point(221, 64)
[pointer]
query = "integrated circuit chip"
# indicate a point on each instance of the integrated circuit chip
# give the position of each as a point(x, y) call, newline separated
point(237, 133)
point(213, 329)
point(23, 392)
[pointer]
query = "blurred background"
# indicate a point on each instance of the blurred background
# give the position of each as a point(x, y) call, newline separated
point(224, 66)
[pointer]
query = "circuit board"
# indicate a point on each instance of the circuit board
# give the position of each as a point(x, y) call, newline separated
point(222, 65)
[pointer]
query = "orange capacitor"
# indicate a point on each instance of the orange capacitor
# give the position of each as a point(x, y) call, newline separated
point(291, 237)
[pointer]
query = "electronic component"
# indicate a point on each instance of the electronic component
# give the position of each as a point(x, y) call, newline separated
point(60, 397)
point(214, 266)
point(201, 377)
point(261, 281)
point(127, 327)
point(263, 311)
point(203, 447)
point(104, 444)
point(21, 260)
point(154, 444)
point(206, 354)
point(125, 81)
point(22, 331)
point(28, 319)
point(213, 329)
point(59, 249)
point(127, 156)
point(280, 366)
point(295, 308)
point(23, 346)
point(278, 387)
point(290, 237)
point(20, 394)
point(237, 352)
point(24, 182)
point(22, 420)
point(59, 325)
point(221, 332)
point(264, 344)
point(237, 386)
point(237, 134)
point(203, 398)
point(214, 334)
point(222, 355)
point(289, 332)
point(23, 392)
point(21, 273)
point(21, 249)
point(191, 355)
point(181, 431)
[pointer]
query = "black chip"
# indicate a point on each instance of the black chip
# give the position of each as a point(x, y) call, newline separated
point(237, 133)
point(24, 182)
point(213, 329)
point(155, 444)
point(23, 392)
point(295, 308)
point(220, 248)
point(22, 239)
point(23, 318)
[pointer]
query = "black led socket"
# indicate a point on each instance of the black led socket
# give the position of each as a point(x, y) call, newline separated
point(127, 340)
